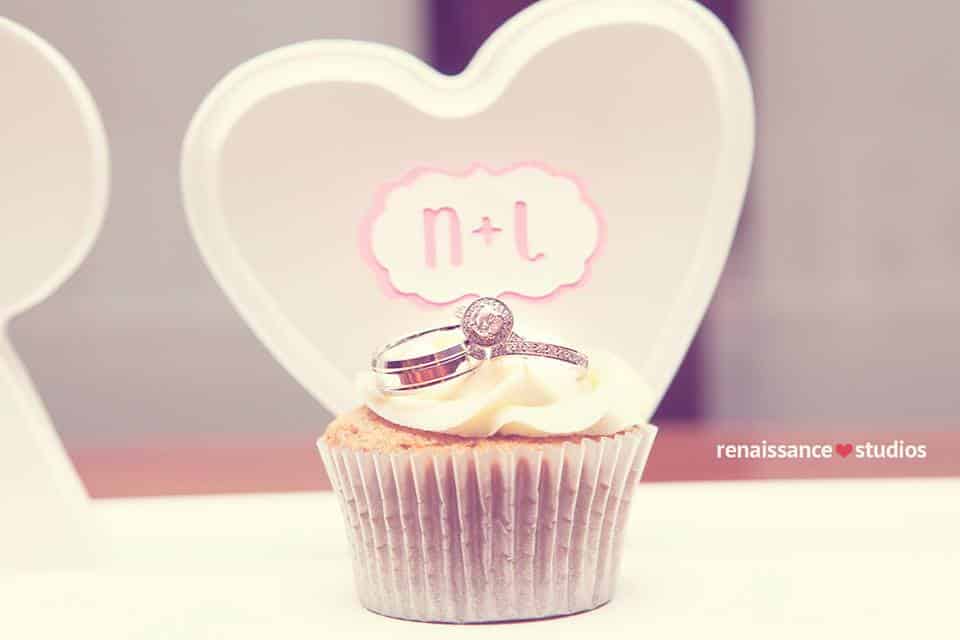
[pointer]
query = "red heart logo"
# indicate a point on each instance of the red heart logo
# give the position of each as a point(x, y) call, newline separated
point(843, 449)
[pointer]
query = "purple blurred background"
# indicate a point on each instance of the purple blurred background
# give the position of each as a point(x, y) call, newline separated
point(839, 304)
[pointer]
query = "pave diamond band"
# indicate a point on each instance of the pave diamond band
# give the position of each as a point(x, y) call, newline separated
point(485, 332)
point(521, 347)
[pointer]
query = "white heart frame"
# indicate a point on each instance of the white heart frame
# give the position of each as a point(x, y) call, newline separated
point(245, 250)
point(53, 200)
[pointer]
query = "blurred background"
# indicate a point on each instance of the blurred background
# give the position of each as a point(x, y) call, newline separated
point(839, 305)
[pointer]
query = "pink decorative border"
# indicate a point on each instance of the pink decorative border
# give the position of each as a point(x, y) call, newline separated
point(382, 275)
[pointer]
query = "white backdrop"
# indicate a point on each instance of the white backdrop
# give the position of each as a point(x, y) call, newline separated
point(140, 342)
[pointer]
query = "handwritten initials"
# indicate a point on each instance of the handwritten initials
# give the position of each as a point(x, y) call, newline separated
point(487, 230)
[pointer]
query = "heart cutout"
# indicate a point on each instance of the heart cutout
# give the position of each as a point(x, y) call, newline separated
point(648, 105)
point(843, 450)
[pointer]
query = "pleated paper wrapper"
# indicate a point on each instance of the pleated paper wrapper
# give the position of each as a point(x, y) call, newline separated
point(488, 533)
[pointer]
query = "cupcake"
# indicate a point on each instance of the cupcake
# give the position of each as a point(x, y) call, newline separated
point(499, 492)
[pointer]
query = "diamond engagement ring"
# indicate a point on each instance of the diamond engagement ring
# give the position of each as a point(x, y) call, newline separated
point(488, 326)
point(485, 332)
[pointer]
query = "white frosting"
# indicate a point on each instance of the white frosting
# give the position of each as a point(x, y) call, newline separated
point(522, 396)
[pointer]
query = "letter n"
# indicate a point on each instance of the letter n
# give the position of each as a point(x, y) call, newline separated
point(430, 236)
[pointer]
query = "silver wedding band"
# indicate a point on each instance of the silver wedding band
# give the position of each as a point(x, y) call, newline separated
point(417, 372)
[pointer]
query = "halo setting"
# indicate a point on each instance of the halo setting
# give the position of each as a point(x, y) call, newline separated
point(487, 322)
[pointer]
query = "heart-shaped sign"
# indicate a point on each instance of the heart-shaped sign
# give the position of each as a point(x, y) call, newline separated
point(589, 165)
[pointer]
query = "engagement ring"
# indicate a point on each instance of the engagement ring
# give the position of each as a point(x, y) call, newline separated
point(485, 332)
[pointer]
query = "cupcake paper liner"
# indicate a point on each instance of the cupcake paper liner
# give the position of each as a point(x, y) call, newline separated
point(488, 533)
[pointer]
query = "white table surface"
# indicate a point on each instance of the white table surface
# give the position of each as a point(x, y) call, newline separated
point(811, 559)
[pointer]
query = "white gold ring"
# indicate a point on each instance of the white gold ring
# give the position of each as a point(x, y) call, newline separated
point(488, 326)
point(485, 332)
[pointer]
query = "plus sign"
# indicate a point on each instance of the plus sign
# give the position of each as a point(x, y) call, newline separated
point(487, 230)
